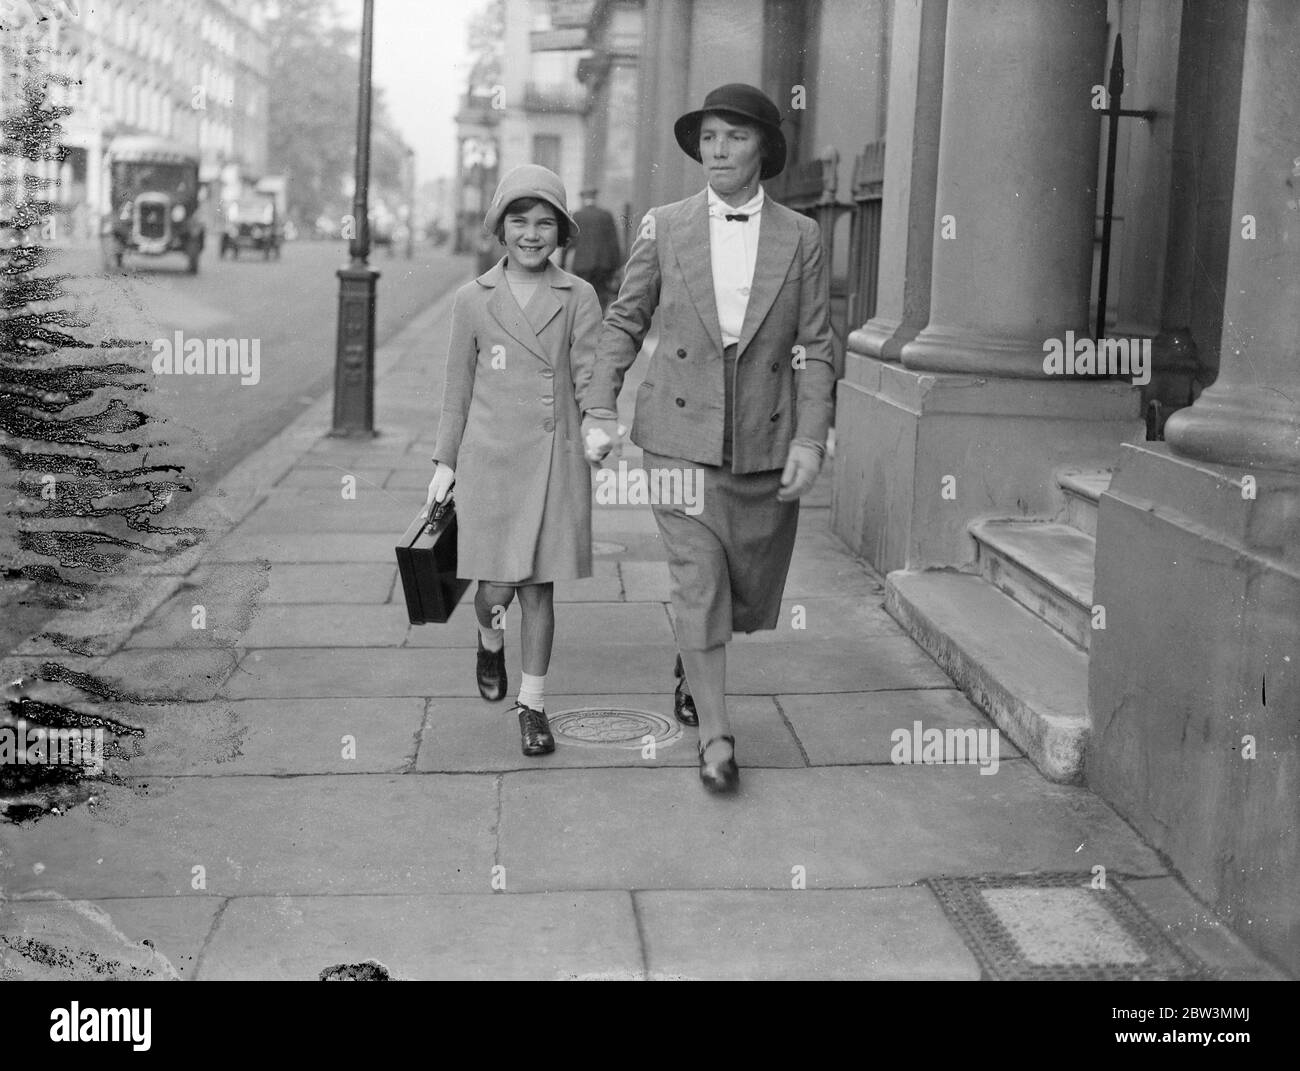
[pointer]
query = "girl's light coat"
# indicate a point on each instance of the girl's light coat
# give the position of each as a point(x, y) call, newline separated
point(511, 428)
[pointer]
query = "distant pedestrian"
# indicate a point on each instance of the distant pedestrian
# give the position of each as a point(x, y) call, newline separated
point(597, 255)
point(739, 387)
point(521, 333)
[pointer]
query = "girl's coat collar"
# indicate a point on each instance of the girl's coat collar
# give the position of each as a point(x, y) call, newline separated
point(525, 327)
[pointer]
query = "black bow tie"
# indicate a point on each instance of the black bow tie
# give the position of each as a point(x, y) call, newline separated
point(737, 215)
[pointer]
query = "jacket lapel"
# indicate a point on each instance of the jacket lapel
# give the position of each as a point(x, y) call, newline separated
point(545, 304)
point(691, 247)
point(778, 238)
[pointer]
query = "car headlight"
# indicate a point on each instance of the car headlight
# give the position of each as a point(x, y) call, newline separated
point(178, 213)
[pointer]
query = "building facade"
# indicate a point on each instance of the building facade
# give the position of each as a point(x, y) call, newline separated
point(195, 73)
point(1096, 534)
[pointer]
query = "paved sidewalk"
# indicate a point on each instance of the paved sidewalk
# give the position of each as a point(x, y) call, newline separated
point(320, 783)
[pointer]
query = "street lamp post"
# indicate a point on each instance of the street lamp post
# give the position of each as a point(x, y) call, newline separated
point(410, 202)
point(354, 356)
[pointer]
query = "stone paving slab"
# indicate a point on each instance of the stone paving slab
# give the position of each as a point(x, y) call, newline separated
point(168, 675)
point(563, 935)
point(368, 833)
point(381, 516)
point(824, 617)
point(276, 736)
point(822, 934)
point(844, 664)
point(471, 735)
point(855, 728)
point(346, 672)
point(172, 624)
point(1195, 927)
point(300, 547)
point(288, 583)
point(329, 477)
point(328, 625)
point(99, 940)
point(604, 585)
point(848, 826)
point(575, 623)
point(646, 581)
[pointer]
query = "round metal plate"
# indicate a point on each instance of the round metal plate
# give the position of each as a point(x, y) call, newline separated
point(607, 727)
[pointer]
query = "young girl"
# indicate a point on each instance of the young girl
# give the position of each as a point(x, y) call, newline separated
point(510, 435)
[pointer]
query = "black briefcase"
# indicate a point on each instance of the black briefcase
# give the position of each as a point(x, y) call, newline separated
point(426, 559)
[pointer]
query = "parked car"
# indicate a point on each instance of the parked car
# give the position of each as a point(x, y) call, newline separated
point(251, 224)
point(153, 189)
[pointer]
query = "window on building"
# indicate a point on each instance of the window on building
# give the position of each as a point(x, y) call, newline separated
point(546, 151)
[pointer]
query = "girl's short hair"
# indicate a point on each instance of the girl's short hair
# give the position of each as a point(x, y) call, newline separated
point(520, 205)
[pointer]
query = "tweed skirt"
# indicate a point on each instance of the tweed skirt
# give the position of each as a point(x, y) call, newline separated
point(728, 562)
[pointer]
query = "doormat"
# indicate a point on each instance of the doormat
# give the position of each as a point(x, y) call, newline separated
point(1056, 927)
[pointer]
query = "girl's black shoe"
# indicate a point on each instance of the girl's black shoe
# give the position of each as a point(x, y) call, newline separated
point(491, 672)
point(683, 701)
point(534, 731)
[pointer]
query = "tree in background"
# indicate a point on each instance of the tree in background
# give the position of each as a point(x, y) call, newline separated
point(312, 111)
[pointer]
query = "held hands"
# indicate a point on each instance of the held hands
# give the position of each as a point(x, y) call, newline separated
point(443, 477)
point(601, 437)
point(801, 467)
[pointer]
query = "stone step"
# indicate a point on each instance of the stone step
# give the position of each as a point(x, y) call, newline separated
point(1025, 675)
point(1046, 567)
point(1082, 489)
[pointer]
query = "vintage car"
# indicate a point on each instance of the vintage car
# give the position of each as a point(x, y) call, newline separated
point(153, 191)
point(251, 223)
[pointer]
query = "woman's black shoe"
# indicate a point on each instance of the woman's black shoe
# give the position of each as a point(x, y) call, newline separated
point(534, 731)
point(683, 701)
point(491, 672)
point(720, 777)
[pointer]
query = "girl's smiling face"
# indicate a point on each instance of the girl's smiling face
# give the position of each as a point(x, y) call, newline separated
point(531, 236)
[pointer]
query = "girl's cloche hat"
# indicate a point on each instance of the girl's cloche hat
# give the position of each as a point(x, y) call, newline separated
point(529, 180)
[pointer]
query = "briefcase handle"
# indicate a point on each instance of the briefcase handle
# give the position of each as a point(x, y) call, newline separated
point(440, 509)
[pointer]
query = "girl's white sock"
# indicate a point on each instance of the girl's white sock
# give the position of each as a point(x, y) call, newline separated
point(493, 639)
point(532, 691)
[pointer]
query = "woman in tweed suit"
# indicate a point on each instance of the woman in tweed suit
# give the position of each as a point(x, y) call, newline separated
point(739, 387)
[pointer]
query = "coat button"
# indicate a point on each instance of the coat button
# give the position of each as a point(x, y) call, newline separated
point(548, 425)
point(681, 353)
point(681, 403)
point(776, 366)
point(548, 400)
point(547, 373)
point(776, 417)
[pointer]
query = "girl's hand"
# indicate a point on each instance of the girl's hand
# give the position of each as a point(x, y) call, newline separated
point(443, 477)
point(601, 437)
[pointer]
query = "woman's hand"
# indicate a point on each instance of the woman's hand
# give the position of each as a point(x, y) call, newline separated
point(443, 477)
point(801, 467)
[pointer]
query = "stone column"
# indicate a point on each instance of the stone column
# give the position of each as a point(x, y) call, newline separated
point(1016, 192)
point(911, 169)
point(1206, 109)
point(1251, 416)
point(1194, 683)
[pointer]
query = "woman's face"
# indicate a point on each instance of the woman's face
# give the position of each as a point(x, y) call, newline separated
point(732, 155)
point(531, 237)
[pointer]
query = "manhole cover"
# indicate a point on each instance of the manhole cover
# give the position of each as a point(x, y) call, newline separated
point(1056, 926)
point(609, 727)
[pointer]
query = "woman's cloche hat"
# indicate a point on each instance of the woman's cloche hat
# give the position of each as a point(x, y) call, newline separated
point(529, 180)
point(744, 100)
